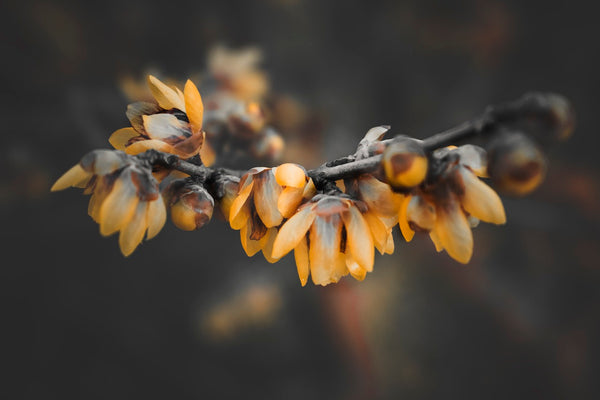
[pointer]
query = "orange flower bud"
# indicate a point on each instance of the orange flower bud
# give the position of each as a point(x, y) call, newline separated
point(405, 164)
point(191, 205)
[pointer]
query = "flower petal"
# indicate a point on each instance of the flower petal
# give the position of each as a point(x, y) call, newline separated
point(121, 137)
point(480, 200)
point(266, 194)
point(359, 240)
point(302, 263)
point(436, 241)
point(166, 97)
point(379, 196)
point(118, 207)
point(136, 110)
point(193, 106)
point(145, 145)
point(166, 127)
point(75, 176)
point(132, 234)
point(157, 216)
point(268, 248)
point(207, 154)
point(421, 212)
point(454, 232)
point(251, 247)
point(357, 272)
point(289, 200)
point(325, 236)
point(378, 231)
point(405, 228)
point(292, 231)
point(240, 212)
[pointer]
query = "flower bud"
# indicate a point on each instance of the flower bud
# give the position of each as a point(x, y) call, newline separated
point(404, 163)
point(516, 165)
point(191, 205)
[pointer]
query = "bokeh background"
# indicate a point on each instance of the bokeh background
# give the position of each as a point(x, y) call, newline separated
point(189, 316)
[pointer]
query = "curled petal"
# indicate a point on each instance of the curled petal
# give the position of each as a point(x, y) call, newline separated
point(239, 212)
point(309, 190)
point(473, 157)
point(133, 233)
point(166, 127)
point(454, 233)
point(120, 138)
point(166, 97)
point(357, 272)
point(251, 247)
point(290, 175)
point(480, 200)
point(359, 241)
point(302, 263)
point(75, 177)
point(135, 111)
point(405, 228)
point(293, 231)
point(118, 207)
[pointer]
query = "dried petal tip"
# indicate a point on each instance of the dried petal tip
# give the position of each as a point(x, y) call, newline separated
point(404, 164)
point(516, 165)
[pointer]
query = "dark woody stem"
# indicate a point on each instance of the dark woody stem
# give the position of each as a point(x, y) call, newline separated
point(550, 111)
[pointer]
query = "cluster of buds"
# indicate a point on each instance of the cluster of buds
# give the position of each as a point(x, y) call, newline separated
point(333, 217)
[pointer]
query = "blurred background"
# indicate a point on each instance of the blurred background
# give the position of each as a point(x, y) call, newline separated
point(189, 316)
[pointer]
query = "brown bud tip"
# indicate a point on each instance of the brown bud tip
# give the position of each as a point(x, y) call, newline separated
point(516, 165)
point(404, 163)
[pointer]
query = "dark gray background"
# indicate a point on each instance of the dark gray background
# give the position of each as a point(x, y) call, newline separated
point(82, 322)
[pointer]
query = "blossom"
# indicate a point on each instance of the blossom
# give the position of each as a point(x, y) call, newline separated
point(452, 203)
point(265, 197)
point(330, 238)
point(124, 196)
point(173, 124)
point(190, 203)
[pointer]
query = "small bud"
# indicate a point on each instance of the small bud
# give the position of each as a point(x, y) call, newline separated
point(270, 146)
point(191, 205)
point(516, 165)
point(404, 163)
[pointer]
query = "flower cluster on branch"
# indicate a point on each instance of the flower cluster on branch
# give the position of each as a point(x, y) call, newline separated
point(333, 217)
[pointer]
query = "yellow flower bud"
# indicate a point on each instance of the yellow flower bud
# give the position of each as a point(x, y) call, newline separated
point(191, 205)
point(405, 164)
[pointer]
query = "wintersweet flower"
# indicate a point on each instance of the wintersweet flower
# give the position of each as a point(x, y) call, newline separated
point(173, 124)
point(265, 197)
point(404, 163)
point(330, 238)
point(125, 196)
point(449, 206)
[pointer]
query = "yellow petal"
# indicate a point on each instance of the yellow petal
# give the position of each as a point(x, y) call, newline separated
point(166, 97)
point(436, 241)
point(133, 233)
point(325, 236)
point(240, 212)
point(421, 212)
point(357, 272)
point(145, 145)
point(157, 216)
point(389, 248)
point(290, 175)
point(289, 200)
point(292, 231)
point(454, 232)
point(359, 240)
point(302, 263)
point(120, 138)
point(405, 228)
point(118, 207)
point(266, 194)
point(268, 248)
point(378, 231)
point(379, 196)
point(309, 190)
point(480, 200)
point(73, 177)
point(339, 269)
point(251, 247)
point(193, 106)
